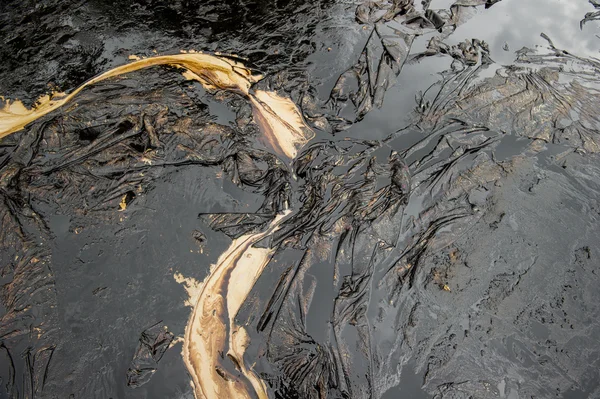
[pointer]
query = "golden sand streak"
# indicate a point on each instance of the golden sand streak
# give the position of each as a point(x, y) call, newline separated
point(211, 71)
point(281, 122)
point(212, 336)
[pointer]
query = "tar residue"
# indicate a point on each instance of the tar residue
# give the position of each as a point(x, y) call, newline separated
point(437, 237)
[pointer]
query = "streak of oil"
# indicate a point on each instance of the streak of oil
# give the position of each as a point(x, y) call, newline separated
point(212, 332)
point(278, 117)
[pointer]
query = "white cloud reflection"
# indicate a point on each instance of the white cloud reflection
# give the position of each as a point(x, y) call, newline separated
point(520, 23)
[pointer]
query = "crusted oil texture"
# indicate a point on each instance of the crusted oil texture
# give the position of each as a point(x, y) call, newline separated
point(280, 121)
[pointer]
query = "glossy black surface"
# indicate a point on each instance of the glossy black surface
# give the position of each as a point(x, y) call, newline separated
point(443, 236)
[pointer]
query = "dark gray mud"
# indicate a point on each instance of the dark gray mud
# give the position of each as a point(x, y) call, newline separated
point(443, 233)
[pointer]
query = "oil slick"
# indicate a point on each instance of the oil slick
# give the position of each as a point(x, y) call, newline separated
point(279, 119)
point(212, 336)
